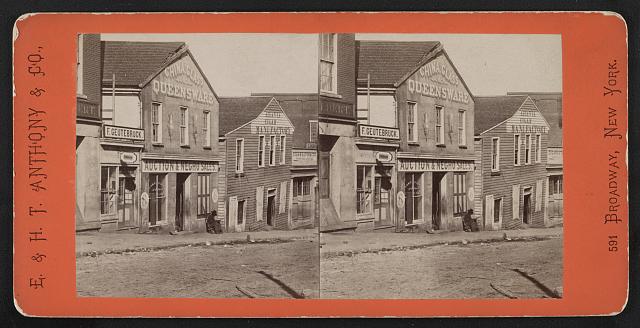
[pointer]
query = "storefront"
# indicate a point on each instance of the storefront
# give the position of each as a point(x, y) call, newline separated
point(160, 157)
point(511, 138)
point(256, 136)
point(435, 158)
point(376, 178)
point(304, 180)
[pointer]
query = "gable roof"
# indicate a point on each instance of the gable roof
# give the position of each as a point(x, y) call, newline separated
point(386, 62)
point(237, 111)
point(492, 110)
point(133, 61)
point(550, 105)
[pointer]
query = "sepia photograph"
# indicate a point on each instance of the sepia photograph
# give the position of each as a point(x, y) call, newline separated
point(333, 165)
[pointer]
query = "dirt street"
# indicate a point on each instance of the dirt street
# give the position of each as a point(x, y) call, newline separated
point(275, 270)
point(446, 271)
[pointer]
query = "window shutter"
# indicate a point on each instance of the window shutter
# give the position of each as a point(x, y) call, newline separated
point(259, 202)
point(539, 185)
point(283, 197)
point(515, 201)
point(488, 211)
point(425, 125)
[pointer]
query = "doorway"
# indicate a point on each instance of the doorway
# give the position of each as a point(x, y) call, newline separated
point(413, 195)
point(436, 200)
point(381, 201)
point(271, 206)
point(181, 178)
point(126, 199)
point(526, 213)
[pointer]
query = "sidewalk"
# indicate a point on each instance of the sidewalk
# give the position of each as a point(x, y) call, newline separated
point(348, 243)
point(96, 243)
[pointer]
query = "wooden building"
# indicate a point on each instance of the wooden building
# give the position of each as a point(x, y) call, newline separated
point(256, 137)
point(159, 148)
point(511, 139)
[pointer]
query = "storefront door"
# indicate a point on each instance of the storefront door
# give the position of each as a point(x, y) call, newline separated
point(126, 206)
point(436, 203)
point(381, 204)
point(271, 206)
point(180, 200)
point(413, 194)
point(526, 215)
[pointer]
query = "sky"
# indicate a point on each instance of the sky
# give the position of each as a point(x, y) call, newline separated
point(490, 64)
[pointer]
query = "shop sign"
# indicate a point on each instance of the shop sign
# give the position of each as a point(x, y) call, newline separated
point(438, 79)
point(129, 158)
point(335, 108)
point(183, 80)
point(471, 193)
point(400, 198)
point(87, 109)
point(527, 121)
point(214, 195)
point(371, 131)
point(554, 156)
point(120, 132)
point(144, 200)
point(384, 156)
point(433, 165)
point(271, 121)
point(304, 157)
point(179, 166)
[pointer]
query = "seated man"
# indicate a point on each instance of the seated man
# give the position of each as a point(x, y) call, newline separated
point(467, 221)
point(211, 221)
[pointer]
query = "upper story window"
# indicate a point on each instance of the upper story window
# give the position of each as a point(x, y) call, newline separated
point(156, 122)
point(80, 66)
point(184, 126)
point(439, 125)
point(283, 149)
point(462, 128)
point(239, 155)
point(313, 131)
point(328, 63)
point(495, 154)
point(538, 148)
point(517, 148)
point(412, 129)
point(272, 150)
point(261, 150)
point(206, 129)
point(527, 149)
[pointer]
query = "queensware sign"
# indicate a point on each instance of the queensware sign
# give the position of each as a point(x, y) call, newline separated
point(434, 165)
point(371, 131)
point(438, 79)
point(121, 132)
point(180, 166)
point(183, 80)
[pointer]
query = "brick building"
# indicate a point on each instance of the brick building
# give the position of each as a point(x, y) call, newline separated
point(159, 156)
point(511, 140)
point(256, 137)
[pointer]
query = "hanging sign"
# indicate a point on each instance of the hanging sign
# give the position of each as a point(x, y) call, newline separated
point(214, 195)
point(400, 199)
point(384, 156)
point(144, 200)
point(128, 158)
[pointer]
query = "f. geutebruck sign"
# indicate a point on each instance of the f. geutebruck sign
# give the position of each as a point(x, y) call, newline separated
point(120, 132)
point(372, 131)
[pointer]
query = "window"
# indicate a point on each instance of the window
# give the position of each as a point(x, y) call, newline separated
point(204, 194)
point(459, 193)
point(108, 188)
point(80, 66)
point(156, 123)
point(412, 134)
point(184, 126)
point(239, 155)
point(272, 150)
point(327, 63)
point(206, 129)
point(364, 189)
point(527, 149)
point(538, 148)
point(241, 211)
point(516, 149)
point(261, 149)
point(495, 154)
point(157, 198)
point(283, 149)
point(301, 186)
point(462, 134)
point(313, 131)
point(555, 185)
point(439, 126)
point(497, 210)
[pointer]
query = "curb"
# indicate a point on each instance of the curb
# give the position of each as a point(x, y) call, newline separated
point(190, 244)
point(350, 253)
